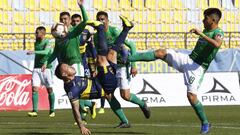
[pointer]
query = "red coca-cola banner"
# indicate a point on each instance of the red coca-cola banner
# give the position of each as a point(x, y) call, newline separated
point(16, 93)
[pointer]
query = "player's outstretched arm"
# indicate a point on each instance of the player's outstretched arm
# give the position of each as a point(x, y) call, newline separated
point(84, 13)
point(77, 117)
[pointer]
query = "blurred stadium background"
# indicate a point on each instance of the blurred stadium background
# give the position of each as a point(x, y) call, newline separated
point(158, 24)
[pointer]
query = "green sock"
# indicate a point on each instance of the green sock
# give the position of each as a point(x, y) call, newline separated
point(116, 107)
point(198, 107)
point(81, 104)
point(88, 103)
point(134, 99)
point(35, 101)
point(146, 56)
point(51, 98)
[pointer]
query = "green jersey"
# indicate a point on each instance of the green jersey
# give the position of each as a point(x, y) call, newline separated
point(204, 52)
point(42, 50)
point(66, 49)
point(111, 35)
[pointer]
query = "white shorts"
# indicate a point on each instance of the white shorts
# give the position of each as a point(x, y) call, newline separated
point(123, 80)
point(79, 69)
point(192, 72)
point(42, 78)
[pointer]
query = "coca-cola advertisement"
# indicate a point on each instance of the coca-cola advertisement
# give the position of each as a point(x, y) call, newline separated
point(16, 93)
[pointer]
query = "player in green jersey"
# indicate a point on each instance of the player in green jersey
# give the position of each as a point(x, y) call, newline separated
point(67, 48)
point(42, 50)
point(193, 66)
point(75, 20)
point(122, 72)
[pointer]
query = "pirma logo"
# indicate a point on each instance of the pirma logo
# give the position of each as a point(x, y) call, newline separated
point(218, 93)
point(150, 94)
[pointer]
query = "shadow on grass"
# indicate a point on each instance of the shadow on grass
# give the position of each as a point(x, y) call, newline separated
point(130, 133)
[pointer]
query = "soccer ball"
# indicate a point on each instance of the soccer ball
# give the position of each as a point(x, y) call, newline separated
point(59, 30)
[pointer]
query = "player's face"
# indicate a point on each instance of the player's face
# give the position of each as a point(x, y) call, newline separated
point(75, 21)
point(40, 34)
point(207, 22)
point(67, 71)
point(103, 19)
point(65, 19)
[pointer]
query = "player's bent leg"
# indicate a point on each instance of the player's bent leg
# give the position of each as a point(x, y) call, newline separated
point(125, 94)
point(119, 42)
point(198, 108)
point(116, 107)
point(145, 56)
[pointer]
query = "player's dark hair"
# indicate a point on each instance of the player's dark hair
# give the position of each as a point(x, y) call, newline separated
point(58, 71)
point(76, 16)
point(101, 13)
point(41, 28)
point(64, 13)
point(214, 13)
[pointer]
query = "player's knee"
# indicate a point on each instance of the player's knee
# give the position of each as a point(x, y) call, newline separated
point(125, 95)
point(108, 97)
point(192, 98)
point(35, 89)
point(50, 90)
point(160, 53)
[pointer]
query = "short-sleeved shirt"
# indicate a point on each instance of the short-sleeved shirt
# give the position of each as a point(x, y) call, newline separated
point(204, 52)
point(83, 88)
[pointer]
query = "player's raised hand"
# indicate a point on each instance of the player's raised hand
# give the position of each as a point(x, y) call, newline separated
point(80, 2)
point(196, 31)
point(85, 131)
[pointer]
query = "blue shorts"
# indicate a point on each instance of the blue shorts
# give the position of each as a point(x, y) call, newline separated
point(107, 77)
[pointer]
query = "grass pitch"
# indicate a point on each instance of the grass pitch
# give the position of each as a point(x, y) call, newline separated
point(164, 121)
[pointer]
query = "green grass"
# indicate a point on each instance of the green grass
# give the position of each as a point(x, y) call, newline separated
point(164, 121)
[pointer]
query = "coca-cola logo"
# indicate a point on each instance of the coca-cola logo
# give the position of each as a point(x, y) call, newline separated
point(12, 91)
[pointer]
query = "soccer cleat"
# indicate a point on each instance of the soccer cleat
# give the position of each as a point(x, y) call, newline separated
point(93, 110)
point(205, 128)
point(123, 125)
point(32, 114)
point(146, 110)
point(52, 114)
point(93, 23)
point(101, 111)
point(126, 22)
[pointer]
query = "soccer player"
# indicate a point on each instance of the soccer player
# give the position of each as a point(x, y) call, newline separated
point(75, 20)
point(77, 87)
point(193, 66)
point(42, 50)
point(123, 76)
point(106, 66)
point(66, 49)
